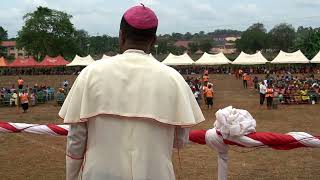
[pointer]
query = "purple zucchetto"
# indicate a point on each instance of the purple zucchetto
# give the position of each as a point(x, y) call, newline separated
point(141, 17)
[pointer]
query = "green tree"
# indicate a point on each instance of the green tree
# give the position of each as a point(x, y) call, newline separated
point(187, 36)
point(194, 47)
point(102, 44)
point(3, 34)
point(308, 41)
point(48, 32)
point(282, 37)
point(82, 40)
point(205, 45)
point(163, 46)
point(253, 39)
point(177, 36)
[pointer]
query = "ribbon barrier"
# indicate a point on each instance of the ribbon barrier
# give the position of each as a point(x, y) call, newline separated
point(237, 127)
point(50, 129)
point(232, 127)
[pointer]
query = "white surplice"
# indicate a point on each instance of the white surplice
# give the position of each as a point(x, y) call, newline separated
point(126, 111)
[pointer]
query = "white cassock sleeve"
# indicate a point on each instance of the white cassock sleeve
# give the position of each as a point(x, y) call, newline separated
point(76, 148)
point(181, 137)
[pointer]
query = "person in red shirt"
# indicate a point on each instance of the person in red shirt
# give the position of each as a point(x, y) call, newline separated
point(24, 99)
point(20, 83)
point(209, 96)
point(269, 96)
point(245, 79)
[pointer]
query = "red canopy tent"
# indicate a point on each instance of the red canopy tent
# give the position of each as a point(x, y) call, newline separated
point(3, 62)
point(53, 62)
point(28, 62)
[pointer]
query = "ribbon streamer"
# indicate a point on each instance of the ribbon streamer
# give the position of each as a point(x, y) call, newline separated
point(50, 129)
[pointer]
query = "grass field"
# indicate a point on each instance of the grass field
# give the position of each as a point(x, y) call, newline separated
point(27, 156)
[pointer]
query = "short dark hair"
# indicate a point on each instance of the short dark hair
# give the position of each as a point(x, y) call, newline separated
point(135, 34)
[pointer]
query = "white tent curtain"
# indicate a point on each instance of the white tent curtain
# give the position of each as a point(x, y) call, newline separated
point(250, 59)
point(290, 58)
point(81, 61)
point(105, 57)
point(182, 60)
point(316, 59)
point(213, 59)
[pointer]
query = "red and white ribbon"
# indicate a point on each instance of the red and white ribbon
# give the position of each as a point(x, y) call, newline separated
point(237, 127)
point(214, 139)
point(50, 129)
point(232, 127)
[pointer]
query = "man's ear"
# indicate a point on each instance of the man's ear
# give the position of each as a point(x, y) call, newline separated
point(122, 39)
point(154, 40)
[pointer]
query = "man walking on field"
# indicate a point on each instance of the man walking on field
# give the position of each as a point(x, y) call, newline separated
point(117, 132)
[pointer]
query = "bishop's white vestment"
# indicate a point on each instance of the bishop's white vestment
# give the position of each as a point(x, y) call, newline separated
point(126, 115)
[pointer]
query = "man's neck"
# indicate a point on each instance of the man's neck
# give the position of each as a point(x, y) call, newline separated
point(144, 50)
point(141, 47)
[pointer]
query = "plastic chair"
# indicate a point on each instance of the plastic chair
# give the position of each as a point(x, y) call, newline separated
point(41, 97)
point(6, 99)
point(60, 98)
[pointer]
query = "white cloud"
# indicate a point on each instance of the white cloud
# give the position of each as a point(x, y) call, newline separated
point(36, 3)
point(103, 17)
point(308, 3)
point(245, 9)
point(147, 2)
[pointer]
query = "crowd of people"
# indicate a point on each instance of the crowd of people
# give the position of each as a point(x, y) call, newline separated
point(185, 70)
point(202, 88)
point(40, 71)
point(283, 89)
point(25, 96)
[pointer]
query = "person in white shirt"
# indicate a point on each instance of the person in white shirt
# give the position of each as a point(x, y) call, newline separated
point(65, 83)
point(14, 99)
point(262, 92)
point(117, 132)
point(197, 94)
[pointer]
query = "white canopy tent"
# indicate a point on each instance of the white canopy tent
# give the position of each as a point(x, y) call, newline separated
point(213, 59)
point(290, 58)
point(81, 61)
point(316, 59)
point(182, 60)
point(250, 59)
point(105, 57)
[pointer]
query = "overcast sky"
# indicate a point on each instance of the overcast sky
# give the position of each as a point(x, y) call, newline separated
point(103, 16)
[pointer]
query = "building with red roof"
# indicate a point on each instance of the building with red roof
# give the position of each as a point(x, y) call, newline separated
point(184, 44)
point(10, 48)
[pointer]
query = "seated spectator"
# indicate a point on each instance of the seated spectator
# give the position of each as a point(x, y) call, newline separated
point(14, 98)
point(12, 88)
point(305, 95)
point(60, 96)
point(32, 99)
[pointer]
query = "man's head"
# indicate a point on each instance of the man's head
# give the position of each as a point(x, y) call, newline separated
point(138, 29)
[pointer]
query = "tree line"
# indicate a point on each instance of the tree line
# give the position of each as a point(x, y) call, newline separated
point(281, 37)
point(50, 32)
